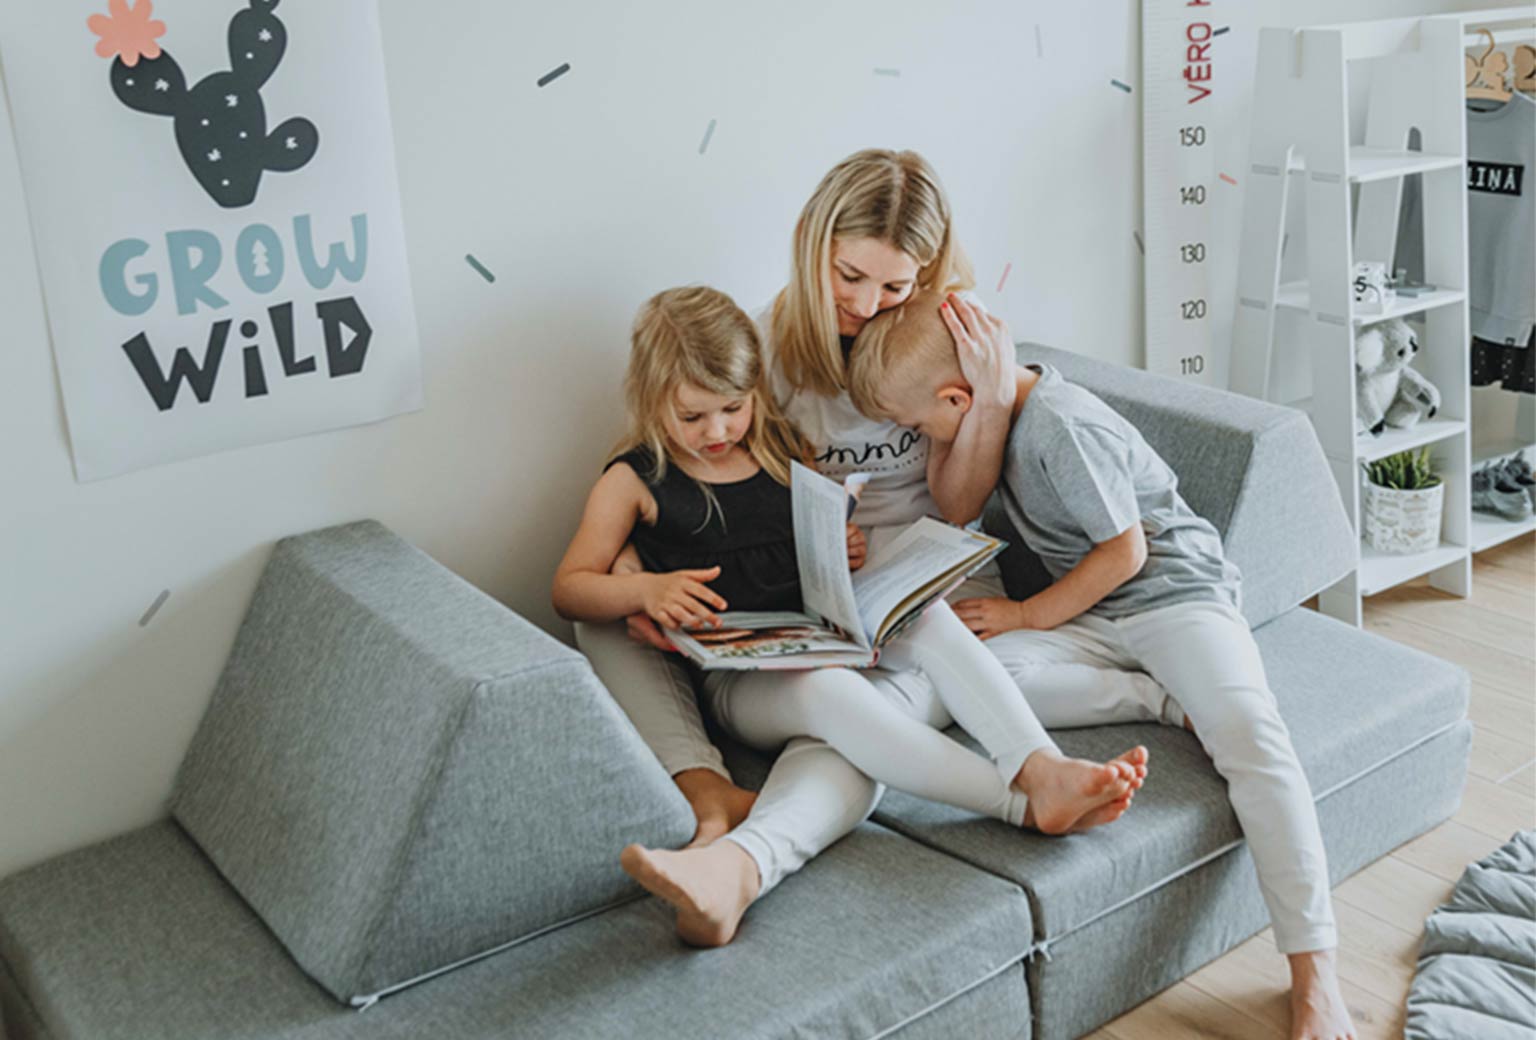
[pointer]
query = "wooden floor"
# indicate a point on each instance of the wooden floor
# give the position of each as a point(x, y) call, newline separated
point(1381, 910)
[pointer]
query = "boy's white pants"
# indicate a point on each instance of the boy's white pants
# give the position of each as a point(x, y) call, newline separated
point(1204, 656)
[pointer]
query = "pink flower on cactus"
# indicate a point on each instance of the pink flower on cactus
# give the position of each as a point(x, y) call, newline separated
point(127, 33)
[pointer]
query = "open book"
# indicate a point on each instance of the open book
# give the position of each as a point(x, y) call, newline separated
point(846, 617)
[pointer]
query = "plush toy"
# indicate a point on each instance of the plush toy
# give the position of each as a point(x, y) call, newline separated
point(1387, 391)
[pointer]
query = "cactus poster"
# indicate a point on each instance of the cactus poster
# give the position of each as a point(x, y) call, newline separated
point(214, 206)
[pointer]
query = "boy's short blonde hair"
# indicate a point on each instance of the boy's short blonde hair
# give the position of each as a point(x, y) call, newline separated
point(902, 356)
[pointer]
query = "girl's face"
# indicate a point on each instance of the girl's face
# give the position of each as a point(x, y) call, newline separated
point(868, 276)
point(705, 424)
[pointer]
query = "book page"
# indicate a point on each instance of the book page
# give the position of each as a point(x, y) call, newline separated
point(928, 550)
point(768, 639)
point(821, 549)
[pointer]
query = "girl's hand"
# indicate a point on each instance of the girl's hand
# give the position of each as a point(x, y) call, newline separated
point(858, 547)
point(985, 350)
point(992, 616)
point(680, 599)
point(643, 630)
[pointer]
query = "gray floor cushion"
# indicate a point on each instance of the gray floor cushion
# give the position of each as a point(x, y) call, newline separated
point(139, 938)
point(1477, 968)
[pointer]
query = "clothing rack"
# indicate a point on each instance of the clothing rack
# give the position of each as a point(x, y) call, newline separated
point(1498, 430)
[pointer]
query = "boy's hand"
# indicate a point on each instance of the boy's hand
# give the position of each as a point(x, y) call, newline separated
point(858, 547)
point(992, 616)
point(985, 351)
point(680, 599)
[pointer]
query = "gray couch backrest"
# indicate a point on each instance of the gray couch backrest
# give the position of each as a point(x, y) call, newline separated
point(1255, 470)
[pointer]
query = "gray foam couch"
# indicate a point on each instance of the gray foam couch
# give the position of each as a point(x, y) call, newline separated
point(401, 817)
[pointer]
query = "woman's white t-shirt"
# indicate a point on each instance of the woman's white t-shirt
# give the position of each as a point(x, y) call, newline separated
point(844, 442)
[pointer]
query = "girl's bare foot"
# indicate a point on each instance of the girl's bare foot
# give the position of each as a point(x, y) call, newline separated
point(1318, 1011)
point(1136, 758)
point(710, 888)
point(718, 805)
point(1062, 791)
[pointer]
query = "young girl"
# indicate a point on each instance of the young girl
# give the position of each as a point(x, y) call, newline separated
point(701, 491)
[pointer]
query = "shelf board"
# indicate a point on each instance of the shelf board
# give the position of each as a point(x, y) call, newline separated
point(1486, 452)
point(1392, 441)
point(1380, 571)
point(1298, 296)
point(1377, 164)
point(1489, 530)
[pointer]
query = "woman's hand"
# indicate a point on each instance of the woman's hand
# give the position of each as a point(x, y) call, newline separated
point(993, 615)
point(985, 350)
point(858, 547)
point(680, 599)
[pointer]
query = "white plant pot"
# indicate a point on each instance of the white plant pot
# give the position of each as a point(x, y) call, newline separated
point(1402, 521)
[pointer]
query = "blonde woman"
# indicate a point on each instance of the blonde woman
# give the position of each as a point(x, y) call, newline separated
point(700, 490)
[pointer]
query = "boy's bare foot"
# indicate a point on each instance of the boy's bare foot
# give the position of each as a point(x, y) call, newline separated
point(710, 888)
point(718, 804)
point(1062, 791)
point(1318, 1011)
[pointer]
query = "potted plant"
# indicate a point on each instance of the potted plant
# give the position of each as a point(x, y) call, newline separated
point(1403, 501)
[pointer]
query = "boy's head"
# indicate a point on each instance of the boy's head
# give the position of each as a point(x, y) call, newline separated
point(903, 367)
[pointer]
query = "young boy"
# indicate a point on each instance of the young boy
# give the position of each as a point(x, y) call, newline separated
point(1140, 582)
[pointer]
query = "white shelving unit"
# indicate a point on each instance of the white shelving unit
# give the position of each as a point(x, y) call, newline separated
point(1349, 180)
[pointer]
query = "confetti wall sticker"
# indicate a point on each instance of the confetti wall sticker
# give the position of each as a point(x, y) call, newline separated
point(554, 74)
point(1121, 86)
point(221, 125)
point(1228, 178)
point(1039, 45)
point(1224, 28)
point(478, 266)
point(888, 72)
point(1140, 246)
point(154, 608)
point(1006, 268)
point(709, 131)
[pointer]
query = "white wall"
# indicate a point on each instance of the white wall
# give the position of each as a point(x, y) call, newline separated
point(583, 197)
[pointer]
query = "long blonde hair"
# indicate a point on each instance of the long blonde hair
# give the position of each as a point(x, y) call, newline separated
point(894, 197)
point(698, 335)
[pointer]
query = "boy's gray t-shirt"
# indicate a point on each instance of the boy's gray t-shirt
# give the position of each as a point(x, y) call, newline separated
point(1076, 474)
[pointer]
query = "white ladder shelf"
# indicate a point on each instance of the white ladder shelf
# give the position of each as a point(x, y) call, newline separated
point(1302, 334)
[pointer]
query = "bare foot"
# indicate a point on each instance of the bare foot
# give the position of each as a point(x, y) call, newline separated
point(710, 888)
point(1318, 1011)
point(1136, 759)
point(1062, 791)
point(718, 804)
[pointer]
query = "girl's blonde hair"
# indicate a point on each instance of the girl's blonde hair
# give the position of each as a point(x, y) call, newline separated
point(698, 335)
point(894, 197)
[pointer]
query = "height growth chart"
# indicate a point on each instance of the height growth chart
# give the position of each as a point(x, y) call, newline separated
point(1182, 186)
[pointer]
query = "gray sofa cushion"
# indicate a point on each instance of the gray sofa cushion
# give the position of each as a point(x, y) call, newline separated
point(138, 937)
point(396, 772)
point(1100, 970)
point(1254, 470)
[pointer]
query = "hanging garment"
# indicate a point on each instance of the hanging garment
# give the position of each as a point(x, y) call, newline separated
point(1501, 222)
point(1512, 367)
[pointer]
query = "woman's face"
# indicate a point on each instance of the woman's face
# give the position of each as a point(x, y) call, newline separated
point(868, 276)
